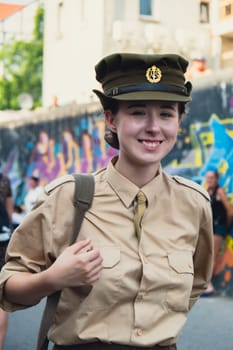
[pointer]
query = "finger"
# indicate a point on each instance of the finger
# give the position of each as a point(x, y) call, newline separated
point(97, 263)
point(78, 246)
point(94, 276)
point(90, 248)
point(93, 255)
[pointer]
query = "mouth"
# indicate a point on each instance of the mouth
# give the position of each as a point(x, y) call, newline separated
point(151, 144)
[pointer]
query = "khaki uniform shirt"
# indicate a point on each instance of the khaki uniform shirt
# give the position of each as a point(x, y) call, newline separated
point(146, 287)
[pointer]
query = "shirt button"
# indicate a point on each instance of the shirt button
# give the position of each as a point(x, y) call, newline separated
point(140, 295)
point(139, 331)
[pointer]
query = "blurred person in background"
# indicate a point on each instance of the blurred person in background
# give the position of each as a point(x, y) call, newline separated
point(7, 206)
point(33, 193)
point(222, 217)
point(17, 216)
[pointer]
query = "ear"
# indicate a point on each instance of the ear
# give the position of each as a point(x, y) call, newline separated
point(110, 120)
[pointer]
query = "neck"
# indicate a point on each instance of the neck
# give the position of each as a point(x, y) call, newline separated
point(139, 175)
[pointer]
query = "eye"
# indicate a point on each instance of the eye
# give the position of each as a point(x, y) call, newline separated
point(167, 114)
point(138, 112)
point(137, 109)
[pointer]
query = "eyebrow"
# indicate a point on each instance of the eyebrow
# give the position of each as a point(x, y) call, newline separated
point(135, 105)
point(162, 104)
point(171, 105)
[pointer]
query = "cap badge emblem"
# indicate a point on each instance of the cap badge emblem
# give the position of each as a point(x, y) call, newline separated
point(153, 74)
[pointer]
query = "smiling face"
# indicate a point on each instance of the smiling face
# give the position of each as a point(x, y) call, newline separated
point(146, 130)
point(211, 179)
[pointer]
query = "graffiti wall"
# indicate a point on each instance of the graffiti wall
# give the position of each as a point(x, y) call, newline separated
point(75, 143)
point(53, 148)
point(205, 142)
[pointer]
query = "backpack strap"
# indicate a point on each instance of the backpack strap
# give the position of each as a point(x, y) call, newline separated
point(83, 196)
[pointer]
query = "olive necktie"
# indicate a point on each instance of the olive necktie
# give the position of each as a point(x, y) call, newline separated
point(139, 211)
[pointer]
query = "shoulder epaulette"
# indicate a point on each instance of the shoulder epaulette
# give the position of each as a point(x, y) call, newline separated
point(191, 184)
point(58, 182)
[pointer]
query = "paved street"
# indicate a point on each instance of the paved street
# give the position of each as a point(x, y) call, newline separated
point(210, 326)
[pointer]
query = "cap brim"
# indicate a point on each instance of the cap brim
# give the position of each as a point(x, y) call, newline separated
point(142, 96)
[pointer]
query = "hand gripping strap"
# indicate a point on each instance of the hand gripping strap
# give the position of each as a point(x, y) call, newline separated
point(83, 196)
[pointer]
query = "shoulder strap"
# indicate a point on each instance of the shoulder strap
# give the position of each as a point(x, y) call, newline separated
point(83, 196)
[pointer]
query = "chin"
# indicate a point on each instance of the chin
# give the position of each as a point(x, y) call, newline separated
point(148, 161)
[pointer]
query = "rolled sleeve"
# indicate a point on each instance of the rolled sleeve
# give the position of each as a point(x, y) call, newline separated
point(39, 239)
point(203, 256)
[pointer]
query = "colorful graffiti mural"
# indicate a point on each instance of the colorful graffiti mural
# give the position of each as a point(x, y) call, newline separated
point(205, 142)
point(52, 149)
point(206, 137)
point(76, 144)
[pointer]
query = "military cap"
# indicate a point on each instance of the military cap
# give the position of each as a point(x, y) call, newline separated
point(129, 77)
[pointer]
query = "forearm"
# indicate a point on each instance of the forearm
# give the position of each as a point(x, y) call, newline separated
point(29, 288)
point(79, 264)
point(203, 258)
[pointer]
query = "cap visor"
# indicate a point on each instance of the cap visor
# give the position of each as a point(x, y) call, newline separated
point(143, 96)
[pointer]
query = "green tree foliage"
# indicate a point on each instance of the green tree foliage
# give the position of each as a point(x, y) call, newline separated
point(22, 67)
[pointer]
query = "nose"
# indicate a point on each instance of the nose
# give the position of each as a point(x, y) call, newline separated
point(153, 124)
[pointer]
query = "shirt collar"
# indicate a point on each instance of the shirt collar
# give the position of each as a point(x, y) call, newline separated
point(127, 190)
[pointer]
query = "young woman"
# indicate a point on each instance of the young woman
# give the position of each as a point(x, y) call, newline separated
point(143, 272)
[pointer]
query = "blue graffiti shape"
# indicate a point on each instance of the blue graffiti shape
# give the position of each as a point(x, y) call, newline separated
point(222, 149)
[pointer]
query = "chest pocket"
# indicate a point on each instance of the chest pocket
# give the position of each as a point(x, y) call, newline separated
point(181, 277)
point(105, 292)
point(111, 255)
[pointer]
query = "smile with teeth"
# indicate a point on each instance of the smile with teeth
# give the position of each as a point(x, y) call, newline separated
point(151, 143)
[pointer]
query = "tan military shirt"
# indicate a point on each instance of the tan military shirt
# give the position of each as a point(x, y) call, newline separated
point(146, 287)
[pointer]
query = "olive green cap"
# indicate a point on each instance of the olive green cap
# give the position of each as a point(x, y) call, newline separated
point(129, 77)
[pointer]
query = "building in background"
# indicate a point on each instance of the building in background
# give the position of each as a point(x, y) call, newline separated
point(222, 34)
point(79, 32)
point(16, 21)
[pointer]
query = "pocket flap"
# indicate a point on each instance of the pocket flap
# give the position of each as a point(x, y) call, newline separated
point(181, 262)
point(111, 255)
